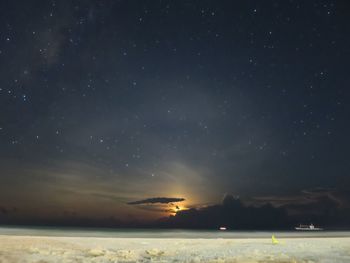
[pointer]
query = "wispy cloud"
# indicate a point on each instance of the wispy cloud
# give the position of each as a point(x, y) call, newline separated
point(157, 200)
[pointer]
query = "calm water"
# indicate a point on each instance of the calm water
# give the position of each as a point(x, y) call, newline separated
point(157, 233)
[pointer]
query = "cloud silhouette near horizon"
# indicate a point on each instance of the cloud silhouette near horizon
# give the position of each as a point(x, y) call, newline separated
point(157, 200)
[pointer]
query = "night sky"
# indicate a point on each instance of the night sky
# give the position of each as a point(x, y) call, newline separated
point(136, 110)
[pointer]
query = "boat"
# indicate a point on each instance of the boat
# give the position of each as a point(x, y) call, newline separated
point(310, 227)
point(222, 228)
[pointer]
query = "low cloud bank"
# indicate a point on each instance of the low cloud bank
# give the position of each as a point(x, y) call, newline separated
point(232, 213)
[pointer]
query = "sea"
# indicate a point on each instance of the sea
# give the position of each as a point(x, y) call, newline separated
point(161, 233)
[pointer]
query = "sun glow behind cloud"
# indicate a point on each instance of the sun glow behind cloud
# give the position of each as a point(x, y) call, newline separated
point(75, 189)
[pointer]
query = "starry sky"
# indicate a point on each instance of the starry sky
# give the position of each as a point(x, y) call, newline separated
point(137, 109)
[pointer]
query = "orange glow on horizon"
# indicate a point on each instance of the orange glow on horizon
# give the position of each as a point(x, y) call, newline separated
point(177, 208)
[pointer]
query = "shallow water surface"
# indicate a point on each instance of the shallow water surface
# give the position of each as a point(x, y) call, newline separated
point(161, 233)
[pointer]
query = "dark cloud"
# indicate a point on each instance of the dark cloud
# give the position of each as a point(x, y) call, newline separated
point(308, 199)
point(231, 213)
point(155, 200)
point(235, 214)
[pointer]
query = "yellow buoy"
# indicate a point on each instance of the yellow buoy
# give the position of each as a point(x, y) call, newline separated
point(274, 240)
